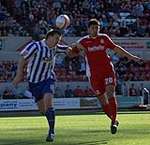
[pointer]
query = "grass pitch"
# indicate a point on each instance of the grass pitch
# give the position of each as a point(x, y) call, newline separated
point(134, 129)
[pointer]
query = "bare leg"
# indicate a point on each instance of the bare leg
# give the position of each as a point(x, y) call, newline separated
point(48, 101)
point(41, 105)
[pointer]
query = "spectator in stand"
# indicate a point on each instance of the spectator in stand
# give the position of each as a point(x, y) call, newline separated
point(58, 93)
point(30, 13)
point(68, 92)
point(82, 67)
point(133, 90)
point(147, 77)
point(67, 64)
point(78, 92)
point(125, 90)
point(7, 70)
point(8, 94)
point(13, 68)
point(140, 89)
point(88, 92)
point(75, 64)
point(38, 16)
point(118, 87)
point(138, 9)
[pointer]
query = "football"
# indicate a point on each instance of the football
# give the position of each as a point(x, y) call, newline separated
point(62, 21)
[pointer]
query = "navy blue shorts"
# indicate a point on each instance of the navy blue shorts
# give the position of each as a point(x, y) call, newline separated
point(39, 89)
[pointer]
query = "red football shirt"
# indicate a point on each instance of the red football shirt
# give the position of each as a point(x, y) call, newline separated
point(97, 59)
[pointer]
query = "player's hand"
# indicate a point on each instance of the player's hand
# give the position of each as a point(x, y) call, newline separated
point(69, 51)
point(77, 45)
point(73, 51)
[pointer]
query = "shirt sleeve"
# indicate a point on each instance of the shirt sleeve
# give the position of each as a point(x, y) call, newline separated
point(80, 41)
point(29, 50)
point(61, 48)
point(109, 43)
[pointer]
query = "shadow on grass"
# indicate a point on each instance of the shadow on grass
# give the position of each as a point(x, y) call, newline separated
point(25, 142)
point(133, 132)
point(19, 142)
point(85, 142)
point(101, 142)
point(96, 131)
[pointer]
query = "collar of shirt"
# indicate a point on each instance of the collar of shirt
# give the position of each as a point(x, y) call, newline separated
point(43, 41)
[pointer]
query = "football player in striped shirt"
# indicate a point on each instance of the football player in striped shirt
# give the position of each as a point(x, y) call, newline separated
point(39, 57)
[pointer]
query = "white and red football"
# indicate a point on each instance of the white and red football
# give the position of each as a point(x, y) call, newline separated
point(62, 21)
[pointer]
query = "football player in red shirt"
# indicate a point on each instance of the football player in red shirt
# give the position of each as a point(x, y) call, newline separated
point(100, 69)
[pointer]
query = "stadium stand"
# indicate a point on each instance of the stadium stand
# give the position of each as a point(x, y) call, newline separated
point(126, 71)
point(117, 18)
point(8, 25)
point(131, 71)
point(7, 70)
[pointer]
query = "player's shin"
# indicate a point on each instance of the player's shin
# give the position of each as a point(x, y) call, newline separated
point(106, 109)
point(113, 106)
point(105, 105)
point(50, 115)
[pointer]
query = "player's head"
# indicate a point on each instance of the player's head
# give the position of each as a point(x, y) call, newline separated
point(53, 37)
point(93, 27)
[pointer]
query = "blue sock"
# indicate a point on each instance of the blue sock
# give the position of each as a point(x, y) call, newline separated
point(50, 115)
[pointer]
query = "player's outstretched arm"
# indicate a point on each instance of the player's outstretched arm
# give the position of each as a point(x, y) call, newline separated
point(123, 53)
point(20, 72)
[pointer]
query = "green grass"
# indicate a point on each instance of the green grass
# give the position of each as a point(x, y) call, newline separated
point(134, 129)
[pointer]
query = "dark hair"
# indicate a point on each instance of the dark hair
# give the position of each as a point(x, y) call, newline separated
point(52, 32)
point(93, 22)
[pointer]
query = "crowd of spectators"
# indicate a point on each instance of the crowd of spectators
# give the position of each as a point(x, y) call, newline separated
point(132, 71)
point(8, 94)
point(125, 71)
point(70, 69)
point(74, 70)
point(7, 70)
point(69, 91)
point(125, 18)
point(8, 25)
point(117, 17)
point(78, 91)
point(133, 89)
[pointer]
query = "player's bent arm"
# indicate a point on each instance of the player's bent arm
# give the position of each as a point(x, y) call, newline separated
point(123, 53)
point(80, 46)
point(75, 49)
point(20, 71)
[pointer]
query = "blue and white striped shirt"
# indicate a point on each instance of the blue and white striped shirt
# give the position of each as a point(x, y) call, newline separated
point(41, 60)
